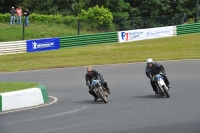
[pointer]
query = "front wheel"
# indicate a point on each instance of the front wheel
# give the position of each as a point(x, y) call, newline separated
point(165, 90)
point(103, 95)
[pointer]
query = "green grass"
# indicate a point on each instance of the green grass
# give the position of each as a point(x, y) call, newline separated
point(14, 86)
point(173, 48)
point(36, 30)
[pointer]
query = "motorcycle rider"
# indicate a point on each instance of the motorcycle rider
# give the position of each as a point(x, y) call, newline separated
point(91, 75)
point(153, 68)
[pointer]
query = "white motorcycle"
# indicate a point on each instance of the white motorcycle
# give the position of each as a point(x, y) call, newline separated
point(100, 91)
point(161, 86)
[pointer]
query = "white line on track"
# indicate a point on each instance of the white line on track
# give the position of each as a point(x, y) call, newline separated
point(46, 117)
point(17, 110)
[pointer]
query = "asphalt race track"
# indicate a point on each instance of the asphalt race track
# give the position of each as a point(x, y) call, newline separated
point(132, 106)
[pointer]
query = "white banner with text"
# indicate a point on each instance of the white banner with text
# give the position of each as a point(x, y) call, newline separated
point(143, 34)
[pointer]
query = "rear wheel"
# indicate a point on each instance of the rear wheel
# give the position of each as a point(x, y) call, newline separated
point(165, 90)
point(103, 95)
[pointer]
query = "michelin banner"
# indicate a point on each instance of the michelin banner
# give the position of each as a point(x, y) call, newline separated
point(143, 34)
point(43, 44)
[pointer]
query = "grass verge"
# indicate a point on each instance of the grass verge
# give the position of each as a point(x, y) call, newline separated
point(13, 86)
point(36, 30)
point(173, 48)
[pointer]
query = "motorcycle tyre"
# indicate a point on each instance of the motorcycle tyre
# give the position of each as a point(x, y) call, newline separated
point(165, 90)
point(103, 96)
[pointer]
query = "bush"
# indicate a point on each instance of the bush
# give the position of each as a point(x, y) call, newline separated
point(99, 17)
point(98, 23)
point(46, 18)
point(191, 21)
point(70, 21)
point(5, 17)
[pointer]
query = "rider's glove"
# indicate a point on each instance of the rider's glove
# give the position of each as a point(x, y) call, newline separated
point(90, 87)
point(151, 79)
point(163, 73)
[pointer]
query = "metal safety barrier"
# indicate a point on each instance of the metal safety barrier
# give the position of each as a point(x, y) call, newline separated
point(13, 47)
point(88, 39)
point(188, 28)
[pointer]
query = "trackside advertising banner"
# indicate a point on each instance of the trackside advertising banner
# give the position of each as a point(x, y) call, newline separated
point(143, 34)
point(42, 44)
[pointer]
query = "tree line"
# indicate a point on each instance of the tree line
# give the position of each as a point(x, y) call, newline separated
point(107, 15)
point(119, 8)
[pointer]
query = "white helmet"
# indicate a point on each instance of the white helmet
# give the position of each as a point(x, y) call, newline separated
point(149, 60)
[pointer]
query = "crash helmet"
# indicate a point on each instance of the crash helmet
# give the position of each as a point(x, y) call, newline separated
point(149, 61)
point(89, 70)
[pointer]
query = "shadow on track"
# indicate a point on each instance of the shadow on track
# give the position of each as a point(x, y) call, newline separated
point(99, 101)
point(148, 96)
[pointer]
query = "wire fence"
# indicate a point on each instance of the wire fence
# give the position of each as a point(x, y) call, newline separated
point(149, 22)
point(69, 26)
point(130, 23)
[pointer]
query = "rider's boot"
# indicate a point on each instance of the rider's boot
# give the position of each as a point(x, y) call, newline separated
point(108, 90)
point(94, 94)
point(95, 99)
point(167, 81)
point(106, 86)
point(154, 88)
point(156, 93)
point(168, 86)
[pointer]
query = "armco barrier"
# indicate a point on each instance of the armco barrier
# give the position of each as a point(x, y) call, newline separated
point(80, 40)
point(0, 102)
point(188, 28)
point(12, 47)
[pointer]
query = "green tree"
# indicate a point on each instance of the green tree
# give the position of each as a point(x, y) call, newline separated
point(187, 6)
point(120, 10)
point(37, 6)
point(100, 16)
point(64, 7)
point(1, 3)
point(6, 5)
point(123, 10)
point(121, 16)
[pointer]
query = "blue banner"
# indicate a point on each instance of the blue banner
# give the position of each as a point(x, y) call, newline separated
point(42, 44)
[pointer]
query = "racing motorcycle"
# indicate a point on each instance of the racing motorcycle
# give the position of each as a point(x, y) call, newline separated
point(100, 91)
point(160, 84)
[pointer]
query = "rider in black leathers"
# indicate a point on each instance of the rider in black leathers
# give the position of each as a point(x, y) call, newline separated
point(94, 74)
point(153, 68)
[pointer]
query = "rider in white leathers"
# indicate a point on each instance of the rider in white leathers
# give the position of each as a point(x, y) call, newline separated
point(153, 68)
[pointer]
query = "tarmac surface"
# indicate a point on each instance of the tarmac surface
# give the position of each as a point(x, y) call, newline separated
point(132, 106)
